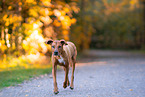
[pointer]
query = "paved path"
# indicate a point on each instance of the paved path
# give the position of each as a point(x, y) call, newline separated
point(103, 74)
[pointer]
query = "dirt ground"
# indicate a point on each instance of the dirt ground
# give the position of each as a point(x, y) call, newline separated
point(98, 74)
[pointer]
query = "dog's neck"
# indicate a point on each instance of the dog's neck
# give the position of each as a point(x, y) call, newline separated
point(61, 60)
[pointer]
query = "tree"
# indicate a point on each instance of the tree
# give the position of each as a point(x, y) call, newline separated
point(25, 24)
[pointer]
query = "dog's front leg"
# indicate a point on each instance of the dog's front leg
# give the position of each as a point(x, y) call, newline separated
point(54, 79)
point(66, 83)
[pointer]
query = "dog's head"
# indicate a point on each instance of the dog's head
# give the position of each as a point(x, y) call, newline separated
point(57, 46)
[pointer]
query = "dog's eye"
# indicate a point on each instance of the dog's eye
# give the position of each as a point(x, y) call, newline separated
point(59, 46)
point(52, 46)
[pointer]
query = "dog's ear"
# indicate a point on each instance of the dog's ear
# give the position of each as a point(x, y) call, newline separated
point(62, 41)
point(50, 41)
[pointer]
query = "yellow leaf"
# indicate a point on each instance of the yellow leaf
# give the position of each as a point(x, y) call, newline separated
point(66, 37)
point(20, 3)
point(47, 20)
point(32, 12)
point(130, 90)
point(66, 9)
point(132, 2)
point(65, 32)
point(5, 17)
point(63, 13)
point(73, 20)
point(46, 2)
point(56, 23)
point(29, 1)
point(61, 18)
point(7, 24)
point(10, 7)
point(57, 12)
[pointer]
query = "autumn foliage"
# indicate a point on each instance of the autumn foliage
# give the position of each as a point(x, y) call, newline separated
point(117, 24)
point(26, 24)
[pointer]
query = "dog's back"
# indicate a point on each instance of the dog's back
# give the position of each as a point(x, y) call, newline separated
point(71, 52)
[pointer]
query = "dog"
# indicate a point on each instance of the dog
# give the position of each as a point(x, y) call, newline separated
point(63, 54)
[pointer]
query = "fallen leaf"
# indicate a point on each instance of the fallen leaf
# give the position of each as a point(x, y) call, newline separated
point(130, 90)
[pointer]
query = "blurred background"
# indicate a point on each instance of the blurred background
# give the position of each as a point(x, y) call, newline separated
point(90, 24)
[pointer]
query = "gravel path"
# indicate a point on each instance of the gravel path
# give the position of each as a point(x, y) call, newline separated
point(100, 74)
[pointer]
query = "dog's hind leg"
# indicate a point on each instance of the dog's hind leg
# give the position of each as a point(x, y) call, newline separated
point(68, 83)
point(72, 76)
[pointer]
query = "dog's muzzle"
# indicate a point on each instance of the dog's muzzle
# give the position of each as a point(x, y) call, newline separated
point(55, 53)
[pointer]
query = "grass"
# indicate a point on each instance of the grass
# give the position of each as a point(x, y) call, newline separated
point(138, 51)
point(13, 77)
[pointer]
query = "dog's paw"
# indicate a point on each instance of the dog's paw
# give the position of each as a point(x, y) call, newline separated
point(71, 88)
point(64, 85)
point(56, 92)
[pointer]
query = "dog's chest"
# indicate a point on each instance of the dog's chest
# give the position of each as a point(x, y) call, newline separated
point(61, 60)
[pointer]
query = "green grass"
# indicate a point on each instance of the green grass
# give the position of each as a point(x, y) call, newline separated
point(13, 77)
point(138, 51)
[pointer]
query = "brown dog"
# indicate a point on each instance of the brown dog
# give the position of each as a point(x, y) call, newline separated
point(63, 54)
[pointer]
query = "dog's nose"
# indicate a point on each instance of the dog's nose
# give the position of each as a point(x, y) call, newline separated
point(56, 53)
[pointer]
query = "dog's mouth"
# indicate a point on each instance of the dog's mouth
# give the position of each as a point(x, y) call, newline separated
point(57, 56)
